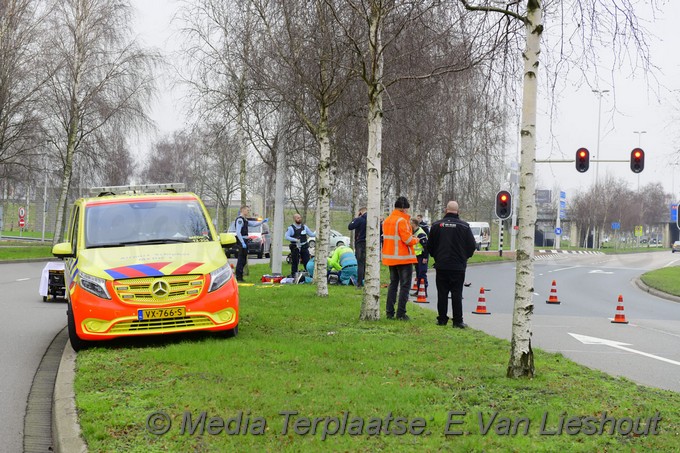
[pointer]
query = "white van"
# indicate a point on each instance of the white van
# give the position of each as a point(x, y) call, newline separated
point(482, 234)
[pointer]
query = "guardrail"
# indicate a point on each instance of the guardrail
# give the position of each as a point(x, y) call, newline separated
point(24, 238)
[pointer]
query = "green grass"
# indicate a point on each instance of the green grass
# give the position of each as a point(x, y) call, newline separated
point(666, 279)
point(26, 234)
point(19, 250)
point(298, 352)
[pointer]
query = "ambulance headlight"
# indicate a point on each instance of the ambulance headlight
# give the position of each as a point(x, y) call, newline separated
point(219, 277)
point(94, 285)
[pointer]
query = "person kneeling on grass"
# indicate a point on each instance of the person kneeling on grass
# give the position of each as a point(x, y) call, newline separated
point(342, 263)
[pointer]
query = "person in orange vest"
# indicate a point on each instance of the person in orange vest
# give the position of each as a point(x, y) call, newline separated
point(398, 255)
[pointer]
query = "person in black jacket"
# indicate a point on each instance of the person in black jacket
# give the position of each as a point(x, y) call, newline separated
point(451, 243)
point(359, 227)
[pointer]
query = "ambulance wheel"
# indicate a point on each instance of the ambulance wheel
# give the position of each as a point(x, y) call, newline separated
point(44, 298)
point(76, 342)
point(231, 333)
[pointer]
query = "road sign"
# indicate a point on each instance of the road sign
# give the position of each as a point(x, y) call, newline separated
point(616, 226)
point(22, 222)
point(558, 231)
point(638, 230)
point(674, 212)
point(22, 212)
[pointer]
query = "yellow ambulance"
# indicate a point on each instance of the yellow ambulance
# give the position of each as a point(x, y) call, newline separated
point(145, 260)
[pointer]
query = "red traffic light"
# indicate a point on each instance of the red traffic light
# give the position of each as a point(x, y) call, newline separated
point(503, 204)
point(582, 160)
point(637, 160)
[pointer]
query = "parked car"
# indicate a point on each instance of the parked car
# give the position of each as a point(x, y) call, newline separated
point(676, 247)
point(336, 239)
point(259, 240)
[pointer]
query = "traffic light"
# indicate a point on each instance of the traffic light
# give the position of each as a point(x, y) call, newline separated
point(503, 204)
point(582, 160)
point(637, 160)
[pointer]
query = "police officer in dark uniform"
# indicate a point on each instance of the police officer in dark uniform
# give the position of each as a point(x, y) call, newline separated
point(451, 243)
point(298, 234)
point(241, 225)
point(359, 226)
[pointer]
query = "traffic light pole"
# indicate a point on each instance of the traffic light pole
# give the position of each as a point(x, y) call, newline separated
point(500, 237)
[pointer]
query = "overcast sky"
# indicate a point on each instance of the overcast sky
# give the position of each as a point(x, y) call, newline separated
point(632, 104)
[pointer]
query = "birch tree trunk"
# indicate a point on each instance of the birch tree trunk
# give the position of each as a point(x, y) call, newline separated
point(323, 218)
point(370, 305)
point(72, 132)
point(521, 355)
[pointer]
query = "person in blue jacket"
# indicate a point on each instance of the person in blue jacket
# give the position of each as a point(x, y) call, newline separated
point(241, 225)
point(298, 234)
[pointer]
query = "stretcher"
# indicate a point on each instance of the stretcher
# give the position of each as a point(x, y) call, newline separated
point(52, 284)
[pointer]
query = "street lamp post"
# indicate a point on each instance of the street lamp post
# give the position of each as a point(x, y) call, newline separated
point(599, 94)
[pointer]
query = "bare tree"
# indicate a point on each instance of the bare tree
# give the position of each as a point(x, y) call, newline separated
point(619, 17)
point(172, 160)
point(217, 50)
point(217, 162)
point(310, 76)
point(21, 43)
point(372, 28)
point(100, 77)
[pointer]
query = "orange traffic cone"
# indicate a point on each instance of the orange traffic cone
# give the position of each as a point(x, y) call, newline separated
point(553, 295)
point(414, 287)
point(422, 297)
point(481, 304)
point(620, 317)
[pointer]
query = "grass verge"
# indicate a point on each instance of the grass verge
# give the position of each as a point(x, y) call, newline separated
point(17, 250)
point(666, 279)
point(299, 353)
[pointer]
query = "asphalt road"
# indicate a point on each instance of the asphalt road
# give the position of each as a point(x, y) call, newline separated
point(27, 325)
point(646, 350)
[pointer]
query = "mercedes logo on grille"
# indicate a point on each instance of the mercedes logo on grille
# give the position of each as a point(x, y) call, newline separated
point(160, 288)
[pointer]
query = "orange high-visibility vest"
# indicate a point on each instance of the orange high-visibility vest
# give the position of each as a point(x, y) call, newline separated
point(398, 240)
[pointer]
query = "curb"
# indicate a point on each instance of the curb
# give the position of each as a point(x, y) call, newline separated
point(65, 426)
point(655, 292)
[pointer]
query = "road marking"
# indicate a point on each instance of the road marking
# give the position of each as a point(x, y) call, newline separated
point(619, 345)
point(672, 263)
point(22, 279)
point(598, 271)
point(564, 269)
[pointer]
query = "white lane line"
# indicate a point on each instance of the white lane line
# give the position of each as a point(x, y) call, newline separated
point(564, 269)
point(22, 279)
point(619, 345)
